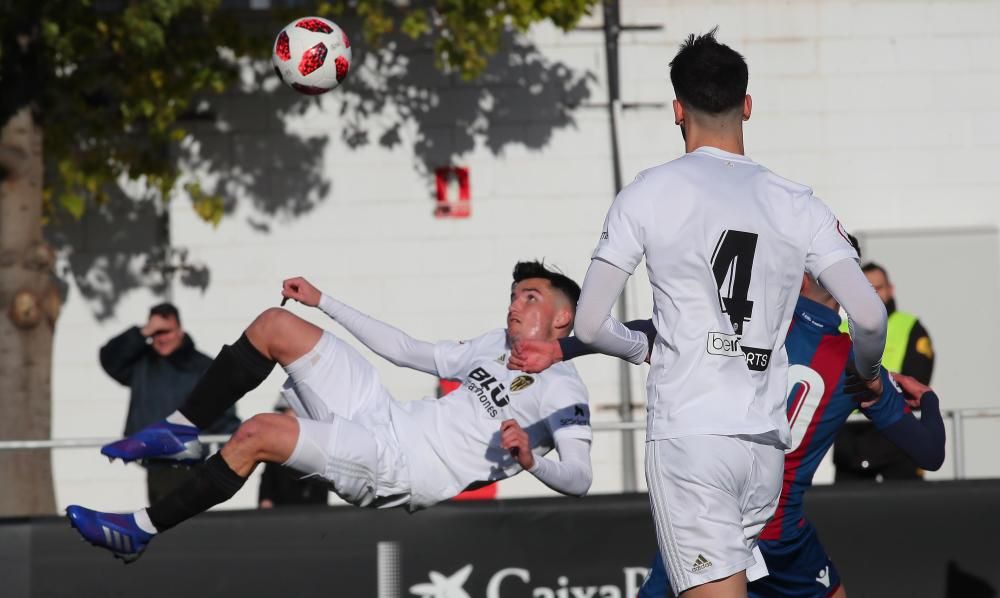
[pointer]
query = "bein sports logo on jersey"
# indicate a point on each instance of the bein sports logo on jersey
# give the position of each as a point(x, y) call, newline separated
point(728, 345)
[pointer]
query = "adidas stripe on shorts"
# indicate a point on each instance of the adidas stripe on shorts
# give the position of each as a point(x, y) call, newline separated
point(710, 497)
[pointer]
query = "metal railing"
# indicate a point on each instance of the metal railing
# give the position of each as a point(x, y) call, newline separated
point(20, 445)
point(958, 417)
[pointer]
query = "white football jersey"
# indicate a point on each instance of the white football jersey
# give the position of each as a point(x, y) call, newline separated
point(454, 441)
point(726, 242)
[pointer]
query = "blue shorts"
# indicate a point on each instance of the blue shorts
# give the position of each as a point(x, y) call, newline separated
point(797, 568)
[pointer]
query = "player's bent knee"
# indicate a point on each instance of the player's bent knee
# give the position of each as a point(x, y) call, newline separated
point(272, 321)
point(272, 437)
point(268, 437)
point(282, 335)
point(247, 434)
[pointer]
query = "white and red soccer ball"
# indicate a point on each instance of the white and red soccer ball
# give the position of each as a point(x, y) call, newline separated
point(312, 55)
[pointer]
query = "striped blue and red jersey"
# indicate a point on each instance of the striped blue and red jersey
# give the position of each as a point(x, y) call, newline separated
point(817, 405)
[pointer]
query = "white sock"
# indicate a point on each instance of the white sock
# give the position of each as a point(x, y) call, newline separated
point(178, 418)
point(142, 520)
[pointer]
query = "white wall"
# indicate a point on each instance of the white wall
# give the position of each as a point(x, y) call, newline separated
point(888, 109)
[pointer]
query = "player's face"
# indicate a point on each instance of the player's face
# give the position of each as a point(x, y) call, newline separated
point(881, 284)
point(532, 311)
point(169, 338)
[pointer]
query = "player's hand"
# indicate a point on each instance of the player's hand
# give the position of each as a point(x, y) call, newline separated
point(534, 356)
point(301, 290)
point(155, 325)
point(267, 503)
point(515, 439)
point(865, 392)
point(913, 389)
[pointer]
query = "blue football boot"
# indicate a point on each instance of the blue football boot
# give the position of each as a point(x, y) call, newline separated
point(161, 441)
point(116, 532)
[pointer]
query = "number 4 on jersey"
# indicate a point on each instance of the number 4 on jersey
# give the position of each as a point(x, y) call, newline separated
point(732, 264)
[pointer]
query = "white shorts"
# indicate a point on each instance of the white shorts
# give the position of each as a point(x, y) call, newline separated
point(711, 496)
point(345, 428)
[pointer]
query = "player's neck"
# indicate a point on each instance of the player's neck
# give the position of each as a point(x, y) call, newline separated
point(724, 143)
point(727, 137)
point(513, 340)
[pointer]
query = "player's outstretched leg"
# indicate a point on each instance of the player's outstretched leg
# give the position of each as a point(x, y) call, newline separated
point(276, 336)
point(266, 437)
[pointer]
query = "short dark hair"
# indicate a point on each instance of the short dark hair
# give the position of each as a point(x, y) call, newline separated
point(165, 310)
point(709, 76)
point(559, 281)
point(872, 267)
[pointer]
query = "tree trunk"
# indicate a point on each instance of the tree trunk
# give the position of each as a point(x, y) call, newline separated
point(29, 305)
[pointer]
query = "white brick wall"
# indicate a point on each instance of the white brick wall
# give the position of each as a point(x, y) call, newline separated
point(888, 109)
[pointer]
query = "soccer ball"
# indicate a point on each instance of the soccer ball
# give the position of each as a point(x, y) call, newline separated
point(312, 55)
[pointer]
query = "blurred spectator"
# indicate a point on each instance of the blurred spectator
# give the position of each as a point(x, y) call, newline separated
point(908, 348)
point(161, 365)
point(281, 486)
point(860, 452)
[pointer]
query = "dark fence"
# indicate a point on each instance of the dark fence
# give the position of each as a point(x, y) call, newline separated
point(912, 540)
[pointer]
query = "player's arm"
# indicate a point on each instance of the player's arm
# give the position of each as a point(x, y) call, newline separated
point(833, 260)
point(619, 251)
point(923, 440)
point(865, 313)
point(386, 341)
point(594, 324)
point(571, 475)
point(533, 356)
point(571, 347)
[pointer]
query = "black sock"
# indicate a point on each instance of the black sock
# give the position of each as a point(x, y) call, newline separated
point(211, 483)
point(238, 369)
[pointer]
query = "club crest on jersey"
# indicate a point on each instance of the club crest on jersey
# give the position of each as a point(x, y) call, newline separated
point(521, 382)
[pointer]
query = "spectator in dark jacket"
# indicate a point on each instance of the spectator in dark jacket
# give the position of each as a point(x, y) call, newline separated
point(161, 365)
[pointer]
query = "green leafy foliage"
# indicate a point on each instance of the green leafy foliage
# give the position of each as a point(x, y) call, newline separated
point(111, 80)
